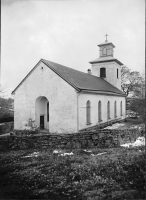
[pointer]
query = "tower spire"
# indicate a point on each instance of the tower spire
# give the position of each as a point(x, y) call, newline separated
point(106, 38)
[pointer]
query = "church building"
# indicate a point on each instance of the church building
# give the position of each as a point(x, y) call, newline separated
point(64, 100)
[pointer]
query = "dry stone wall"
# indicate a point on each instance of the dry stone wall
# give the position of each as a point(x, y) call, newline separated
point(86, 139)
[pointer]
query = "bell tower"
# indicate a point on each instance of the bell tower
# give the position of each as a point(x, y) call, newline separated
point(106, 66)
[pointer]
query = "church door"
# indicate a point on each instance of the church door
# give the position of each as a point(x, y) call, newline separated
point(42, 122)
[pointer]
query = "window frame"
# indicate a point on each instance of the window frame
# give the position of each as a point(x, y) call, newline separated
point(121, 108)
point(108, 110)
point(115, 109)
point(99, 112)
point(104, 54)
point(103, 72)
point(88, 112)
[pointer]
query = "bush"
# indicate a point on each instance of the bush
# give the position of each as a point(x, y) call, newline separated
point(138, 106)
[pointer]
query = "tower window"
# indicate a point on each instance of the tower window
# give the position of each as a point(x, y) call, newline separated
point(117, 73)
point(109, 52)
point(102, 72)
point(104, 51)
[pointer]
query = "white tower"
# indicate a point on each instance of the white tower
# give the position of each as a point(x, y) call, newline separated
point(106, 66)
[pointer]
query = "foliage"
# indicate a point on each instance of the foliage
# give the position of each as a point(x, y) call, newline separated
point(2, 89)
point(6, 107)
point(31, 126)
point(119, 174)
point(139, 107)
point(131, 81)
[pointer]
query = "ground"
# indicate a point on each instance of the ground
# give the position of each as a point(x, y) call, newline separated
point(82, 174)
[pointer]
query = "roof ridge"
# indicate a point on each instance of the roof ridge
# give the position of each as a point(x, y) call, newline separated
point(74, 69)
point(119, 91)
point(66, 67)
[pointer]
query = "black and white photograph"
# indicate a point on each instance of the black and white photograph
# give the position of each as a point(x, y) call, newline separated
point(72, 100)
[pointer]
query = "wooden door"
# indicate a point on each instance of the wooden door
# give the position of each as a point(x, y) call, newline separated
point(41, 122)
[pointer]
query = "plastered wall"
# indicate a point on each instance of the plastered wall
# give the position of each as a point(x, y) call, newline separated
point(111, 72)
point(61, 96)
point(94, 99)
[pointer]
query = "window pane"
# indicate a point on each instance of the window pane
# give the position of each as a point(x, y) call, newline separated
point(109, 52)
point(99, 111)
point(115, 108)
point(121, 108)
point(88, 112)
point(108, 110)
point(104, 51)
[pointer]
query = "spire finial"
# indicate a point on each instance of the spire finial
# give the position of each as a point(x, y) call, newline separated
point(106, 38)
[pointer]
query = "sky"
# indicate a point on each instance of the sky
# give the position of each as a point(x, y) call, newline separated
point(68, 32)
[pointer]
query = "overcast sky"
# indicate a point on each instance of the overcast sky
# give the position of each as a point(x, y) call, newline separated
point(68, 32)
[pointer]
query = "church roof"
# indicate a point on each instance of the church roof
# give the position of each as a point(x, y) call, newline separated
point(79, 80)
point(106, 43)
point(105, 59)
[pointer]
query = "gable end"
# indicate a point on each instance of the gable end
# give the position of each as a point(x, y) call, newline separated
point(41, 60)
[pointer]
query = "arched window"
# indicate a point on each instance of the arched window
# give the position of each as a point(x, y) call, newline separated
point(108, 110)
point(104, 51)
point(88, 112)
point(117, 73)
point(47, 111)
point(109, 52)
point(121, 108)
point(115, 109)
point(102, 72)
point(99, 111)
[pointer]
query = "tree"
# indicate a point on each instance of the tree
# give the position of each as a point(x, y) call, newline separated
point(2, 90)
point(6, 104)
point(6, 107)
point(139, 107)
point(131, 81)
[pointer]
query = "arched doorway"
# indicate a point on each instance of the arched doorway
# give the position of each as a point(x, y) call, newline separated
point(42, 112)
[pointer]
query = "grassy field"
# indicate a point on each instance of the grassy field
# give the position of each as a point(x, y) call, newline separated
point(117, 174)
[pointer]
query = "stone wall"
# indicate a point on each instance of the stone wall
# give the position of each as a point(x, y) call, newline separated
point(97, 138)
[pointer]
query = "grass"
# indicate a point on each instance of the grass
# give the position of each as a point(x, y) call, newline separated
point(116, 175)
point(134, 121)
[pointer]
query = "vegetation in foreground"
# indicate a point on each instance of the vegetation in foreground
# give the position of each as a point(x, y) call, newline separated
point(117, 174)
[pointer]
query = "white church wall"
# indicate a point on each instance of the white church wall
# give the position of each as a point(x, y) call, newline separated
point(111, 72)
point(61, 96)
point(94, 99)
